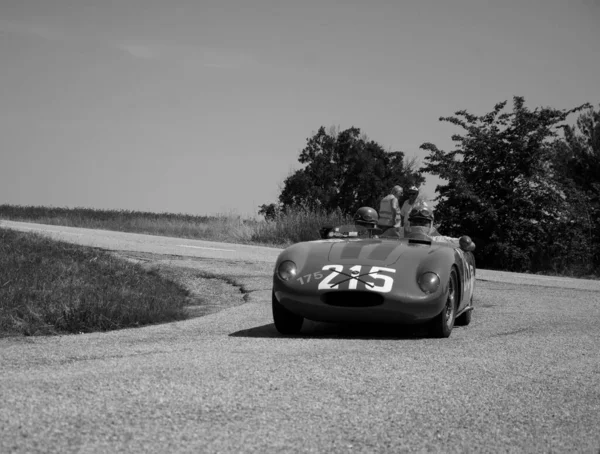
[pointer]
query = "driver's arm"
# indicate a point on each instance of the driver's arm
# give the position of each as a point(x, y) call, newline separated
point(403, 213)
point(444, 239)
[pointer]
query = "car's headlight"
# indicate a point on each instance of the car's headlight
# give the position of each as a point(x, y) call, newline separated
point(287, 270)
point(429, 282)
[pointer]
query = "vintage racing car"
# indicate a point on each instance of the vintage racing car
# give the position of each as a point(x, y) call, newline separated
point(354, 275)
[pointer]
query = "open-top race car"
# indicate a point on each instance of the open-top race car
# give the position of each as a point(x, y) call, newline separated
point(357, 274)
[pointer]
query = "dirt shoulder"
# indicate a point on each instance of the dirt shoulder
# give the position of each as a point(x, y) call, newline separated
point(213, 284)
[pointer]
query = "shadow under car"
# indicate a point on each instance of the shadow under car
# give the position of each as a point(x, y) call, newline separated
point(321, 330)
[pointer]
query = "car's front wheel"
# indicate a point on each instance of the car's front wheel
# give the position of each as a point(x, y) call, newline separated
point(442, 324)
point(286, 322)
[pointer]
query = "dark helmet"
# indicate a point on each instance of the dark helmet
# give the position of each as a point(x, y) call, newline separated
point(421, 212)
point(413, 190)
point(420, 223)
point(366, 217)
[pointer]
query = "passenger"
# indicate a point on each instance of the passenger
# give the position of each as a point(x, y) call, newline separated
point(367, 218)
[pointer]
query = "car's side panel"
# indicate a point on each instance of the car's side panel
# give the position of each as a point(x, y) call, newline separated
point(465, 263)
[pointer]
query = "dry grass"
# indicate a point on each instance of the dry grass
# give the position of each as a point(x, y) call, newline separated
point(288, 228)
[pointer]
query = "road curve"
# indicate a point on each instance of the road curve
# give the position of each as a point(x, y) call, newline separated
point(523, 377)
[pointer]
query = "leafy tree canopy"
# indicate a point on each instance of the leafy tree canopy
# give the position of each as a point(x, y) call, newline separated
point(502, 186)
point(578, 166)
point(580, 155)
point(345, 170)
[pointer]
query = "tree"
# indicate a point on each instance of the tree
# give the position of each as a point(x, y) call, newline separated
point(581, 157)
point(578, 159)
point(501, 184)
point(345, 170)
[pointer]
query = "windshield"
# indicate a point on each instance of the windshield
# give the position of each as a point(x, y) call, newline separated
point(357, 231)
point(346, 231)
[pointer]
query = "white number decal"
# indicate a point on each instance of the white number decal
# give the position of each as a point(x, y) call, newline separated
point(355, 277)
point(324, 284)
point(388, 281)
point(306, 279)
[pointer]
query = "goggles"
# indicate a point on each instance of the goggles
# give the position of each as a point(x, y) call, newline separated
point(422, 213)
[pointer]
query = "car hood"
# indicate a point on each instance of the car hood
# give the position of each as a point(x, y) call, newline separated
point(381, 252)
point(370, 252)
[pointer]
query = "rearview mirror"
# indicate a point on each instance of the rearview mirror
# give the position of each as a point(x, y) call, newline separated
point(466, 243)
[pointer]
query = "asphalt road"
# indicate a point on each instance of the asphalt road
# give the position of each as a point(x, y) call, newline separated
point(523, 377)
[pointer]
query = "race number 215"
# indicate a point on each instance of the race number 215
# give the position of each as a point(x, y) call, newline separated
point(375, 278)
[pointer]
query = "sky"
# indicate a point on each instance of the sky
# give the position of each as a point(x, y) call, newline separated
point(202, 106)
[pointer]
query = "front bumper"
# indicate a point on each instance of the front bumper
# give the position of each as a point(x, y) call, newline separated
point(393, 309)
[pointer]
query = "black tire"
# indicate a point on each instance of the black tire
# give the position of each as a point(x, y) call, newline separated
point(441, 326)
point(465, 318)
point(286, 322)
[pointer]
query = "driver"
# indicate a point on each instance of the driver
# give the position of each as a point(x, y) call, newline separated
point(420, 226)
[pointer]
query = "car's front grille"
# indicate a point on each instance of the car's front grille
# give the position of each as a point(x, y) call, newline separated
point(351, 298)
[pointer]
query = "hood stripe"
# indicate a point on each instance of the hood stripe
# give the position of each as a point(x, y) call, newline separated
point(381, 252)
point(352, 250)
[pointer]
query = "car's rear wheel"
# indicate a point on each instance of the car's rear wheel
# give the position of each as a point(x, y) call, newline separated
point(286, 322)
point(442, 324)
point(465, 318)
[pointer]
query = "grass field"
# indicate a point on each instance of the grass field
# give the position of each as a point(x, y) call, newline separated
point(52, 287)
